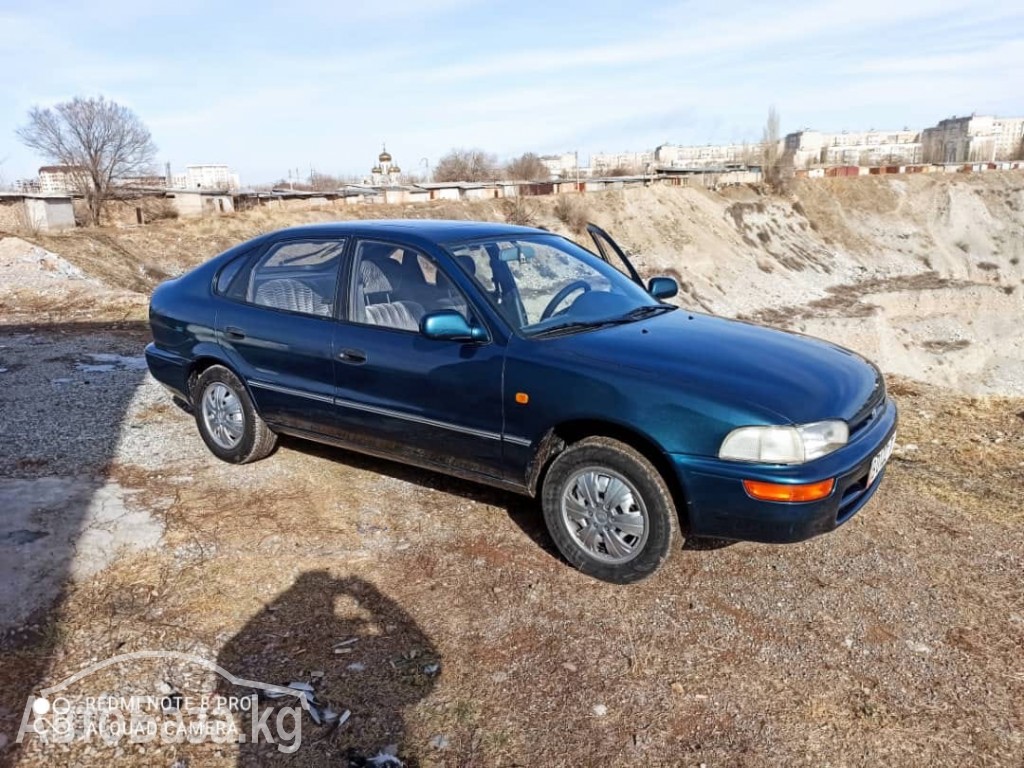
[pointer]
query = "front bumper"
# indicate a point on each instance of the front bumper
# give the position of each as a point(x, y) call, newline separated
point(719, 507)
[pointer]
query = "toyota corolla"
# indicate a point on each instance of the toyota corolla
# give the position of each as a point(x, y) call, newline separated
point(517, 358)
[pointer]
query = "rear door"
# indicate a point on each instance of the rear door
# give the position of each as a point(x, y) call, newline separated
point(401, 394)
point(610, 251)
point(278, 327)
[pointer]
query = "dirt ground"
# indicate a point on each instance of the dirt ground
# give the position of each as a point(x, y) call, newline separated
point(439, 615)
point(896, 639)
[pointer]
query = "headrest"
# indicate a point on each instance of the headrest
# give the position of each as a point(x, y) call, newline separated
point(372, 279)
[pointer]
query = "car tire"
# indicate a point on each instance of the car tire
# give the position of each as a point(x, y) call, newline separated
point(594, 496)
point(227, 419)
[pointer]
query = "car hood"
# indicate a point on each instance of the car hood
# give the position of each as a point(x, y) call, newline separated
point(785, 377)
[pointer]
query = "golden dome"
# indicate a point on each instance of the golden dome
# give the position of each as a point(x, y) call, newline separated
point(384, 157)
point(395, 169)
point(376, 170)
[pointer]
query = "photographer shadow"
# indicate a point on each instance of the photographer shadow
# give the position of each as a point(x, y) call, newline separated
point(359, 650)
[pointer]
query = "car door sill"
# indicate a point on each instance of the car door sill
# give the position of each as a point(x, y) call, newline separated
point(444, 469)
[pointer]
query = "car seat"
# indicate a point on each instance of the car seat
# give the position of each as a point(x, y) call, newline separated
point(293, 295)
point(374, 303)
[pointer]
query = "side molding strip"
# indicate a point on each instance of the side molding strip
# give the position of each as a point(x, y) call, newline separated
point(483, 434)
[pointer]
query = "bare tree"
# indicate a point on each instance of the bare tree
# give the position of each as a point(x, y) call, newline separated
point(527, 167)
point(324, 182)
point(466, 165)
point(771, 157)
point(95, 140)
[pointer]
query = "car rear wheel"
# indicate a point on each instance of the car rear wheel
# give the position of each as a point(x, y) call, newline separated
point(227, 419)
point(608, 510)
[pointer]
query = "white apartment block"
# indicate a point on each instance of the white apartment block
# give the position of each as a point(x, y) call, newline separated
point(603, 162)
point(804, 149)
point(978, 138)
point(62, 179)
point(707, 156)
point(206, 177)
point(562, 166)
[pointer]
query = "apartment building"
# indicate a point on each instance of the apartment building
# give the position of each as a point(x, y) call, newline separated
point(977, 138)
point(804, 149)
point(212, 176)
point(604, 162)
point(710, 155)
point(562, 166)
point(62, 179)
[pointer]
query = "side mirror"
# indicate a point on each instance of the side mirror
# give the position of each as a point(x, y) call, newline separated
point(449, 325)
point(662, 287)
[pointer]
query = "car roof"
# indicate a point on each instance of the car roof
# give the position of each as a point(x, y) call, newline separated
point(413, 231)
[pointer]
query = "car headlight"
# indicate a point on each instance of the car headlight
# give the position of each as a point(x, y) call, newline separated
point(785, 445)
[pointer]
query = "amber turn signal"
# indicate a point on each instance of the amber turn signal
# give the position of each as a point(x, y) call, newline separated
point(522, 398)
point(780, 492)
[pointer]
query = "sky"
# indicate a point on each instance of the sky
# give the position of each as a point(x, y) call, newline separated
point(276, 87)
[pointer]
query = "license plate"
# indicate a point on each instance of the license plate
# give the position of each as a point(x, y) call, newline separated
point(878, 463)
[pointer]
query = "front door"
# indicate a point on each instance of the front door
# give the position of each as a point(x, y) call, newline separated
point(402, 394)
point(278, 330)
point(610, 251)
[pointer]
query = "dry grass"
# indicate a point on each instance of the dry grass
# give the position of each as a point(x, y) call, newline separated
point(746, 655)
point(573, 212)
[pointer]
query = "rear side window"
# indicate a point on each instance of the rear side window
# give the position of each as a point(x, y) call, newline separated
point(230, 271)
point(296, 276)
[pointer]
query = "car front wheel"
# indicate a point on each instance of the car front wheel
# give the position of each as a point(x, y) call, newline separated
point(227, 419)
point(608, 510)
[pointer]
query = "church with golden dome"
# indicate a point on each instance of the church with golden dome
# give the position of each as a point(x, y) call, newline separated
point(386, 171)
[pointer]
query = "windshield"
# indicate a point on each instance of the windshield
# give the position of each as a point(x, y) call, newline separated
point(546, 283)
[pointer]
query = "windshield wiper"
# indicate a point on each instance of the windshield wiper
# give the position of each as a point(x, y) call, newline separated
point(649, 310)
point(638, 313)
point(570, 327)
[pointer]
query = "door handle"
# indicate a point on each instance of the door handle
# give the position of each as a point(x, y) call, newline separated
point(355, 356)
point(234, 333)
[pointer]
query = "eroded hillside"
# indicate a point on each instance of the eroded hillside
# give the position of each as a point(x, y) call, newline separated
point(921, 273)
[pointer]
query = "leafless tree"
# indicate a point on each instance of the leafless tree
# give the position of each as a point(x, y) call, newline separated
point(96, 140)
point(771, 156)
point(466, 165)
point(324, 182)
point(622, 170)
point(527, 167)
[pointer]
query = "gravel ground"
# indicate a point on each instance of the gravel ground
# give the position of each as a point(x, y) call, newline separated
point(896, 640)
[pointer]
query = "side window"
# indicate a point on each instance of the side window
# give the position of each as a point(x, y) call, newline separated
point(427, 268)
point(297, 276)
point(476, 262)
point(535, 273)
point(395, 287)
point(230, 271)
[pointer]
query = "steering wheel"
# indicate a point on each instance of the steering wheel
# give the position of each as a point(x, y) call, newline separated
point(559, 297)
